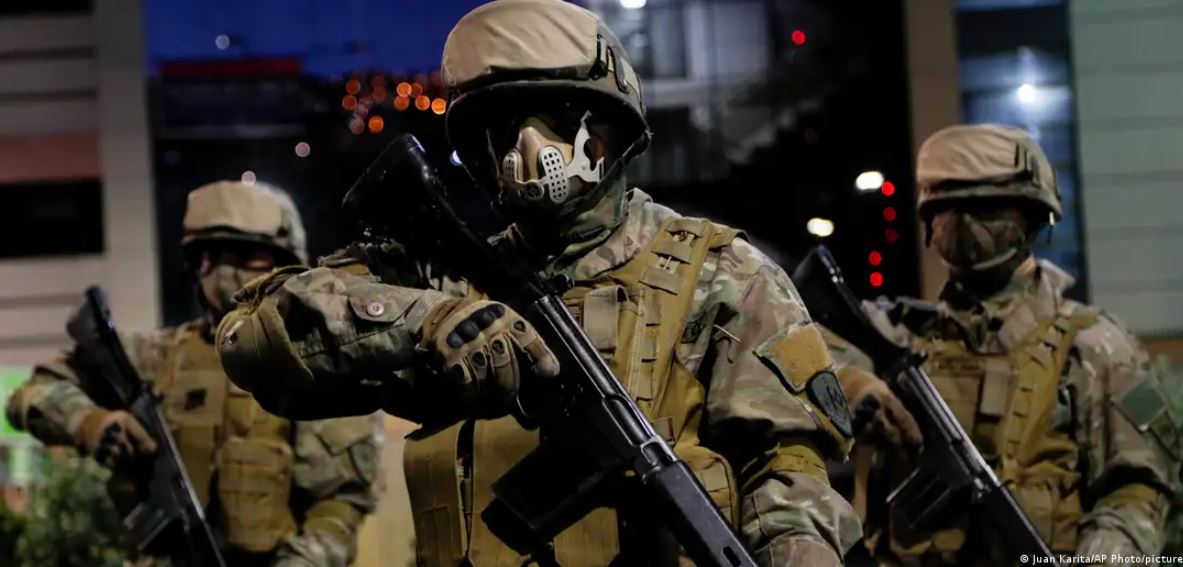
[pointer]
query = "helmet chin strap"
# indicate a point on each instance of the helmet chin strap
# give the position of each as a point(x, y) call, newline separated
point(988, 265)
point(989, 276)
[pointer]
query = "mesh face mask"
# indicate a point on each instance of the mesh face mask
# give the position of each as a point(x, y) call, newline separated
point(220, 283)
point(544, 171)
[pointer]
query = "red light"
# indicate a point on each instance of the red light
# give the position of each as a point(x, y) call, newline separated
point(889, 214)
point(890, 235)
point(798, 37)
point(876, 279)
point(875, 258)
point(888, 188)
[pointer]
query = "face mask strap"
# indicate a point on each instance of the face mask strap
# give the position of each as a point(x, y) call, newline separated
point(581, 165)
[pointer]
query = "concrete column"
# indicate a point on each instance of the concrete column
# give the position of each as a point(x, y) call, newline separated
point(128, 211)
point(935, 97)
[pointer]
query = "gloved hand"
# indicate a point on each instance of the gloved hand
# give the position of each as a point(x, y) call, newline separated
point(111, 436)
point(878, 414)
point(478, 345)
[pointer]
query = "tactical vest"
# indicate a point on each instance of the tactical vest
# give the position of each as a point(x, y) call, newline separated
point(636, 316)
point(1009, 404)
point(231, 447)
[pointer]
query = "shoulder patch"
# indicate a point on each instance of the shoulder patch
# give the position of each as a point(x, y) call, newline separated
point(1146, 406)
point(826, 394)
point(796, 355)
point(694, 328)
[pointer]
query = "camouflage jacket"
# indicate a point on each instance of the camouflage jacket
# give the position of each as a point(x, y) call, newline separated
point(330, 482)
point(337, 331)
point(1127, 465)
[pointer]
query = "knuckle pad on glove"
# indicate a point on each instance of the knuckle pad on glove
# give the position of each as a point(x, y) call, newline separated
point(486, 316)
point(457, 374)
point(478, 365)
point(500, 351)
point(467, 330)
point(478, 359)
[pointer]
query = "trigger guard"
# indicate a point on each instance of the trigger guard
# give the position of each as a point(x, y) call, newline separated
point(519, 413)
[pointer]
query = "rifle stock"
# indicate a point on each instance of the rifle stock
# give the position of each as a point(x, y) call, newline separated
point(950, 471)
point(168, 519)
point(592, 429)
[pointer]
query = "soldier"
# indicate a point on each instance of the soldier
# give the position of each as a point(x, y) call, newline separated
point(704, 331)
point(278, 492)
point(1056, 395)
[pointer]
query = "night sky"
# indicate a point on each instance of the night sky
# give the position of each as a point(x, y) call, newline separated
point(331, 37)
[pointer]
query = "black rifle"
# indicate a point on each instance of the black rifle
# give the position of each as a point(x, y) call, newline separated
point(168, 519)
point(592, 431)
point(950, 471)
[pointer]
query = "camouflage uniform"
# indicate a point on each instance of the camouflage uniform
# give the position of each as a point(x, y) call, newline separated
point(333, 328)
point(1125, 461)
point(1058, 396)
point(706, 333)
point(278, 492)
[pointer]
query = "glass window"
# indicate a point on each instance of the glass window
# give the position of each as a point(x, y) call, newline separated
point(65, 216)
point(1015, 69)
point(653, 33)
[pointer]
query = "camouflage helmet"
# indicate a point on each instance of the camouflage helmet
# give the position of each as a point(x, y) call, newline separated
point(985, 161)
point(235, 211)
point(508, 51)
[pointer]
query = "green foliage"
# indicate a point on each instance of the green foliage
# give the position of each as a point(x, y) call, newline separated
point(71, 520)
point(11, 526)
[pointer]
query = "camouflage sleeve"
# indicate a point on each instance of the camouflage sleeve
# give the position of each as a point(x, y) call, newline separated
point(769, 364)
point(51, 403)
point(338, 467)
point(317, 343)
point(1132, 443)
point(388, 261)
point(845, 354)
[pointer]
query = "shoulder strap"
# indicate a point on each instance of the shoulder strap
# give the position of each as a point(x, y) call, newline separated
point(196, 442)
point(168, 370)
point(1038, 363)
point(438, 506)
point(669, 268)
